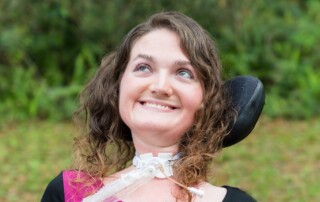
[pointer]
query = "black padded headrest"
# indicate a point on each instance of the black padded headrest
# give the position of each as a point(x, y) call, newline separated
point(248, 98)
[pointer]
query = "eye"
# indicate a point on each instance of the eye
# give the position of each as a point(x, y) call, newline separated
point(185, 73)
point(142, 68)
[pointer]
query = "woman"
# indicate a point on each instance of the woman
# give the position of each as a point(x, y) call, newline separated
point(159, 96)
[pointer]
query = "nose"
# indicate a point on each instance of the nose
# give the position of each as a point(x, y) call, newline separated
point(161, 85)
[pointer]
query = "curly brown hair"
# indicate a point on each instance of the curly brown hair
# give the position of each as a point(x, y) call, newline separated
point(107, 145)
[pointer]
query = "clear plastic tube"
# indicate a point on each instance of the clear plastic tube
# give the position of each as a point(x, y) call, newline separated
point(125, 185)
point(131, 181)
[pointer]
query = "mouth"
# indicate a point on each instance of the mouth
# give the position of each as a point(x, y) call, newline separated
point(157, 105)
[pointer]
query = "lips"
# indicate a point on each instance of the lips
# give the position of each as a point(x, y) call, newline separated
point(157, 105)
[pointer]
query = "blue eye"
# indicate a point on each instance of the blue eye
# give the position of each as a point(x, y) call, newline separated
point(185, 73)
point(142, 68)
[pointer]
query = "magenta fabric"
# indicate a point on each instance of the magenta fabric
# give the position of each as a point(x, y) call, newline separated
point(75, 191)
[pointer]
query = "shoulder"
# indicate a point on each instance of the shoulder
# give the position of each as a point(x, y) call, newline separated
point(70, 185)
point(237, 195)
point(224, 194)
point(54, 190)
point(212, 192)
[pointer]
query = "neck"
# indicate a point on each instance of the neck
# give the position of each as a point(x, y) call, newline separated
point(143, 147)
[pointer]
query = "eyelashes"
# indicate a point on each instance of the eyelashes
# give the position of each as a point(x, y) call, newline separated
point(184, 73)
point(142, 68)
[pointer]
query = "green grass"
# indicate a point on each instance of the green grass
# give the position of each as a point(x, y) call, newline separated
point(31, 154)
point(279, 161)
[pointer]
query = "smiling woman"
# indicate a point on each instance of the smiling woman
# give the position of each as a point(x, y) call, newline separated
point(159, 101)
point(159, 94)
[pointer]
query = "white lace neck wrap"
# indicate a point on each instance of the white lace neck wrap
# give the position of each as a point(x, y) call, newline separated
point(165, 159)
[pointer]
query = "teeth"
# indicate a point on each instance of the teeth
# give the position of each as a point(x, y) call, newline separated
point(157, 106)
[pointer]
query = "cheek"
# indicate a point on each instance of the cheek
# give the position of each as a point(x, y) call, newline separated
point(194, 100)
point(130, 89)
point(125, 84)
point(123, 97)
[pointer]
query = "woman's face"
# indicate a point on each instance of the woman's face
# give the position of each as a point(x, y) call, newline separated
point(159, 91)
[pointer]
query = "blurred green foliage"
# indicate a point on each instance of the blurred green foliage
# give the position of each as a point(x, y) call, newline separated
point(49, 49)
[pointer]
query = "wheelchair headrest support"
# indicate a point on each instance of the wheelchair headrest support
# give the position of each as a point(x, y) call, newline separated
point(248, 98)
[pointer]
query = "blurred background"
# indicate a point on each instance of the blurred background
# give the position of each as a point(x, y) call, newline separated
point(50, 48)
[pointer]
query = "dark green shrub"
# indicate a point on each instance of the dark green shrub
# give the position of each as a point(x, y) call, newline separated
point(48, 49)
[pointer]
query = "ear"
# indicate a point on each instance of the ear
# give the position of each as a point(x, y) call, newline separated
point(248, 99)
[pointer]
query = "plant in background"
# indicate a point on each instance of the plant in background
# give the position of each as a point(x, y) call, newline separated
point(47, 55)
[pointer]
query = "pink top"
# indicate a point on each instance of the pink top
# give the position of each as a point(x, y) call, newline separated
point(78, 185)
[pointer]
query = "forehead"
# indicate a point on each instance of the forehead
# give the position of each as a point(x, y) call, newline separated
point(158, 41)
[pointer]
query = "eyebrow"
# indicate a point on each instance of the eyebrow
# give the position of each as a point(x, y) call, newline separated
point(144, 56)
point(151, 59)
point(182, 62)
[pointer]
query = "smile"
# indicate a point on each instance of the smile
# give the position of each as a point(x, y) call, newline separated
point(157, 106)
